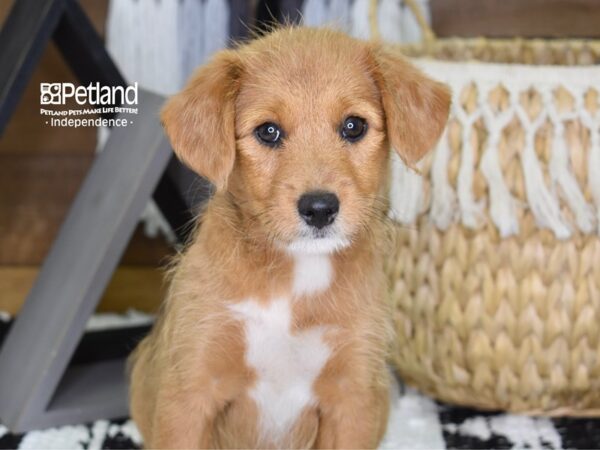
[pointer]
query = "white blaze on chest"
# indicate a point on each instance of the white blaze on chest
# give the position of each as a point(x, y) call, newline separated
point(313, 273)
point(286, 363)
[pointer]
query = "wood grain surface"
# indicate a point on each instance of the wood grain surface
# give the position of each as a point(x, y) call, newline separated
point(526, 18)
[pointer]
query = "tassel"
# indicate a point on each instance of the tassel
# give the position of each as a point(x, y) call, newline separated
point(191, 37)
point(339, 14)
point(164, 51)
point(411, 30)
point(443, 198)
point(594, 167)
point(360, 27)
point(144, 37)
point(406, 192)
point(542, 201)
point(502, 204)
point(216, 27)
point(390, 16)
point(315, 13)
point(119, 31)
point(563, 177)
point(471, 211)
point(592, 122)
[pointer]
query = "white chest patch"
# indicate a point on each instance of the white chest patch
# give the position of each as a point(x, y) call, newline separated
point(312, 274)
point(286, 363)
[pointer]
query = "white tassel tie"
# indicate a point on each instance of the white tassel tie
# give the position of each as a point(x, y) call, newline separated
point(542, 201)
point(443, 198)
point(360, 27)
point(390, 17)
point(562, 175)
point(470, 210)
point(547, 194)
point(315, 13)
point(592, 123)
point(502, 204)
point(406, 191)
point(158, 44)
point(594, 168)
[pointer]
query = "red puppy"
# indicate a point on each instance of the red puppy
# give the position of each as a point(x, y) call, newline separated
point(276, 325)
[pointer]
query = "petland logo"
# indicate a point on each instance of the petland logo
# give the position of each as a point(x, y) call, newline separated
point(93, 94)
point(108, 105)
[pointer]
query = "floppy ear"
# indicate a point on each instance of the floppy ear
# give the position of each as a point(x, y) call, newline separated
point(416, 107)
point(200, 119)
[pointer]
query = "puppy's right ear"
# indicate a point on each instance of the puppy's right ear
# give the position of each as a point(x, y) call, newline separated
point(200, 119)
point(416, 107)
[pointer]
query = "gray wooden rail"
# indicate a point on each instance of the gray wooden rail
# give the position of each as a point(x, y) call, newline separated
point(33, 390)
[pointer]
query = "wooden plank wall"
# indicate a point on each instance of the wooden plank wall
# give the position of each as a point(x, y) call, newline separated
point(526, 18)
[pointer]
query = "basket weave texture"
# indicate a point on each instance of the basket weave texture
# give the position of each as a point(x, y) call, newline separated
point(496, 268)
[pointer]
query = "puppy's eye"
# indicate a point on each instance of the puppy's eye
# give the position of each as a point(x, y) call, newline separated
point(353, 129)
point(269, 134)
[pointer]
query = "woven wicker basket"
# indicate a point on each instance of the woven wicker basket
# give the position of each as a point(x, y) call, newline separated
point(496, 272)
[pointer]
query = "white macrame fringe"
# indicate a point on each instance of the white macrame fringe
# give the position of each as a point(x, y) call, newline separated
point(396, 21)
point(339, 14)
point(471, 211)
point(562, 175)
point(190, 48)
point(315, 13)
point(142, 40)
point(543, 203)
point(359, 26)
point(332, 13)
point(389, 15)
point(544, 200)
point(217, 27)
point(411, 30)
point(443, 198)
point(593, 125)
point(502, 204)
point(158, 44)
point(406, 191)
point(593, 169)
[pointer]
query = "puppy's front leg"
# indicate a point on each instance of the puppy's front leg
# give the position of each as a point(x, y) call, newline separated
point(182, 421)
point(358, 420)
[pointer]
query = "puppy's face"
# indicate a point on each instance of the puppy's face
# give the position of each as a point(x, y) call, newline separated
point(297, 127)
point(310, 138)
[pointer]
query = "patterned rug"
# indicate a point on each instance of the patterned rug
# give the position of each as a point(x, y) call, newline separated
point(416, 423)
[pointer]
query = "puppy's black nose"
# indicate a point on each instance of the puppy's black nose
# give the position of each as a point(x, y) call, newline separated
point(318, 209)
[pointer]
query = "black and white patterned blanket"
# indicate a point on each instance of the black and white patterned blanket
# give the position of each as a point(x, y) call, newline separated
point(416, 423)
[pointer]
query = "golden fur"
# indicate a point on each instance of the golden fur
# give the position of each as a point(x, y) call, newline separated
point(189, 378)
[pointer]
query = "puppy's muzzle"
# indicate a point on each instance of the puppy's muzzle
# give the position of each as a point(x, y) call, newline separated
point(318, 209)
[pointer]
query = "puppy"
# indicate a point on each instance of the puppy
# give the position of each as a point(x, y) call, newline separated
point(276, 326)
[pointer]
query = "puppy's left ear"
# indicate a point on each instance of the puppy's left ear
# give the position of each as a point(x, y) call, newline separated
point(416, 107)
point(199, 120)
